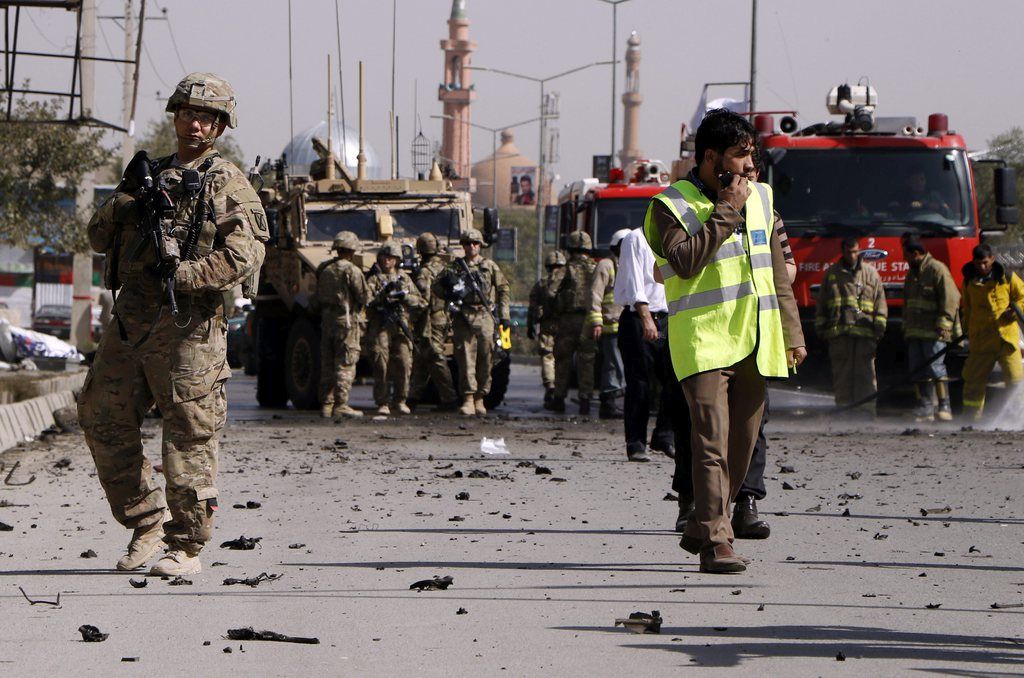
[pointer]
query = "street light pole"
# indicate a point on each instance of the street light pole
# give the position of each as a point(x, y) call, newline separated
point(615, 38)
point(543, 128)
point(753, 53)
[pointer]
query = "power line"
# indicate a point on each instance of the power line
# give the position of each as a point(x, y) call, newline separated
point(43, 34)
point(145, 48)
point(110, 50)
point(174, 42)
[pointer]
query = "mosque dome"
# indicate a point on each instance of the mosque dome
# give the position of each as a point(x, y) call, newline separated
point(300, 154)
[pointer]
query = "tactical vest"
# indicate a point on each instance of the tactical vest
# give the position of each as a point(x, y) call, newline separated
point(574, 290)
point(729, 309)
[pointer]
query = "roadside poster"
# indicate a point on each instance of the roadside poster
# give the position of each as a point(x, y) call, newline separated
point(505, 245)
point(522, 187)
point(551, 225)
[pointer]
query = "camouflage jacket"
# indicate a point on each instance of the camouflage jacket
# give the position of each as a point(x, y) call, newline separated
point(341, 290)
point(492, 283)
point(380, 302)
point(229, 251)
point(542, 301)
point(930, 301)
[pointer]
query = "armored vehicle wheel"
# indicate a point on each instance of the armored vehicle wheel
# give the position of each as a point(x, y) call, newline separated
point(302, 365)
point(269, 367)
point(500, 372)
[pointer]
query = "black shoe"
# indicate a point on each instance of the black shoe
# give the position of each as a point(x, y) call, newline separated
point(549, 393)
point(685, 509)
point(745, 522)
point(668, 449)
point(584, 407)
point(637, 456)
point(555, 404)
point(609, 408)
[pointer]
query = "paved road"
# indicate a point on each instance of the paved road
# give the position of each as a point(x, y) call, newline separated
point(890, 543)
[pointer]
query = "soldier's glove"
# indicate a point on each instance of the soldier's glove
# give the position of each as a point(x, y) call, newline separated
point(531, 332)
point(945, 335)
point(397, 295)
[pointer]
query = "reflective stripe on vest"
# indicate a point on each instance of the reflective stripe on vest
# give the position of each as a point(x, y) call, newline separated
point(721, 315)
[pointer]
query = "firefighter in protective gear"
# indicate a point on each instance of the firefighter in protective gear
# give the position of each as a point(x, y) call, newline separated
point(393, 296)
point(930, 303)
point(604, 326)
point(541, 316)
point(574, 336)
point(341, 291)
point(149, 356)
point(431, 331)
point(851, 316)
point(989, 297)
point(472, 324)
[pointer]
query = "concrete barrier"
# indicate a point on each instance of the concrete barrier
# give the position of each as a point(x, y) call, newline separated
point(26, 419)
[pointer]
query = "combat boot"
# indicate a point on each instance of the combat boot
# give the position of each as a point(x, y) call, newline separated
point(609, 407)
point(557, 404)
point(146, 541)
point(925, 401)
point(584, 407)
point(346, 411)
point(468, 408)
point(176, 563)
point(944, 412)
point(327, 410)
point(746, 524)
point(384, 410)
point(549, 393)
point(478, 406)
point(401, 407)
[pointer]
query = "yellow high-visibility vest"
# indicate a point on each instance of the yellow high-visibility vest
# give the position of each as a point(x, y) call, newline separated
point(729, 309)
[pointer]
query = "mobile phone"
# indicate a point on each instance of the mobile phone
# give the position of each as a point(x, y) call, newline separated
point(725, 178)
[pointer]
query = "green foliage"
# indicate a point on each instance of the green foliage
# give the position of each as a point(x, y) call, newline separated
point(160, 140)
point(43, 165)
point(523, 274)
point(1008, 146)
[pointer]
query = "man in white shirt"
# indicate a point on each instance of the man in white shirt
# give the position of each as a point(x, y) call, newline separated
point(643, 342)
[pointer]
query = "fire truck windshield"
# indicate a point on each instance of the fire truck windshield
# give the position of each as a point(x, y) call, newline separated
point(611, 214)
point(886, 191)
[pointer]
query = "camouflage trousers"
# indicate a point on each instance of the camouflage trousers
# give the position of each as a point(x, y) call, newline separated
point(391, 358)
point(546, 351)
point(339, 353)
point(429, 363)
point(473, 335)
point(182, 370)
point(574, 337)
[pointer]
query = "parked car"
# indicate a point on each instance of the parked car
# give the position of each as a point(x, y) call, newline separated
point(518, 314)
point(53, 319)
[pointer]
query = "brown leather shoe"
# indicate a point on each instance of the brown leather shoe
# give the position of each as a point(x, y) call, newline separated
point(721, 559)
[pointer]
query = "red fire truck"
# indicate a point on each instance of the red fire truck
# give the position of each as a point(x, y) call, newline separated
point(875, 178)
point(601, 208)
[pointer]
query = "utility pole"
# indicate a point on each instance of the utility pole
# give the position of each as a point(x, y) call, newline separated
point(753, 54)
point(81, 267)
point(128, 142)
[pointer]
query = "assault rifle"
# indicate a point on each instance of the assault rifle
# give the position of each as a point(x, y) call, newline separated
point(502, 335)
point(155, 205)
point(388, 302)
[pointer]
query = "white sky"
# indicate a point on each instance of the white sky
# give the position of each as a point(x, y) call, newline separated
point(923, 56)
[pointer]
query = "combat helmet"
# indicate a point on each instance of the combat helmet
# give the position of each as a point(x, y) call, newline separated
point(391, 249)
point(471, 235)
point(426, 244)
point(555, 258)
point(346, 240)
point(205, 91)
point(578, 240)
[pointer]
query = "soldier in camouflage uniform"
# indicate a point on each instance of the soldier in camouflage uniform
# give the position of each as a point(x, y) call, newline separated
point(341, 291)
point(541, 319)
point(178, 362)
point(574, 335)
point(392, 295)
point(473, 325)
point(431, 331)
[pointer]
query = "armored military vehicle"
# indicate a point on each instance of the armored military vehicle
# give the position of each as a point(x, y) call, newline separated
point(305, 213)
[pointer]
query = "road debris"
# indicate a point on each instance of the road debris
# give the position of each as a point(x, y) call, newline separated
point(477, 473)
point(55, 603)
point(10, 474)
point(936, 511)
point(249, 634)
point(462, 610)
point(243, 543)
point(180, 581)
point(1005, 606)
point(493, 446)
point(129, 659)
point(4, 527)
point(296, 546)
point(435, 584)
point(642, 622)
point(91, 634)
point(252, 581)
point(462, 496)
point(840, 657)
point(933, 606)
point(87, 554)
point(542, 471)
point(248, 505)
point(139, 583)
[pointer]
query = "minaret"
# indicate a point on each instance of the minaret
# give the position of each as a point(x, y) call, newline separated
point(456, 93)
point(631, 100)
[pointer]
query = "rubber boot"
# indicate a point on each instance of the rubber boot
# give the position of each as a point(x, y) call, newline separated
point(944, 411)
point(925, 401)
